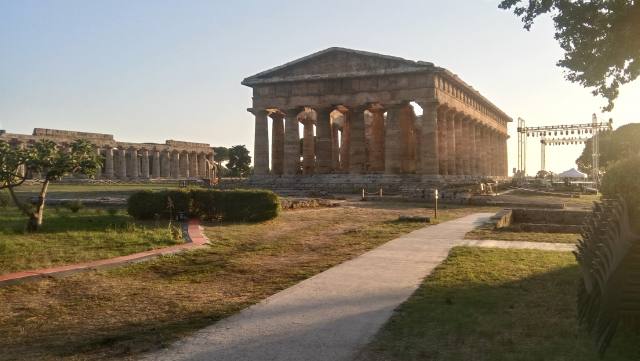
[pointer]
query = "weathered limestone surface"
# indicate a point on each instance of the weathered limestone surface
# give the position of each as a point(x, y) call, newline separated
point(362, 108)
point(130, 161)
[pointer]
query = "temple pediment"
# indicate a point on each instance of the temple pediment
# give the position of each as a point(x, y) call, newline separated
point(335, 63)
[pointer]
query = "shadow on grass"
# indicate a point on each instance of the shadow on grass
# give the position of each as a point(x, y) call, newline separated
point(468, 313)
point(59, 220)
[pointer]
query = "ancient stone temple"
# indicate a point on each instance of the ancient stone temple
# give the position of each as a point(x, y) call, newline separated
point(358, 114)
point(134, 161)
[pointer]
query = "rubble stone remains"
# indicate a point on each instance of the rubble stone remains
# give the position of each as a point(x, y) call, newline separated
point(357, 112)
point(132, 161)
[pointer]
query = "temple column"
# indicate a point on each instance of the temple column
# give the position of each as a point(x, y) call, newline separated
point(345, 142)
point(492, 152)
point(202, 165)
point(134, 163)
point(165, 165)
point(212, 166)
point(451, 143)
point(122, 163)
point(184, 165)
point(144, 170)
point(261, 143)
point(505, 155)
point(308, 148)
point(108, 163)
point(155, 164)
point(376, 149)
point(393, 145)
point(466, 146)
point(193, 165)
point(175, 165)
point(291, 142)
point(335, 147)
point(357, 153)
point(459, 144)
point(408, 142)
point(473, 133)
point(324, 134)
point(443, 142)
point(429, 156)
point(277, 143)
point(486, 154)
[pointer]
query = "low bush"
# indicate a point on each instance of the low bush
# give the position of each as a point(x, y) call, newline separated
point(622, 179)
point(152, 205)
point(223, 205)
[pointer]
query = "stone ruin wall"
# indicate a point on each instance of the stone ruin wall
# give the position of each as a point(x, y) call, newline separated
point(127, 161)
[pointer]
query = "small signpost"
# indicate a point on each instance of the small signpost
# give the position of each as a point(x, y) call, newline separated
point(435, 209)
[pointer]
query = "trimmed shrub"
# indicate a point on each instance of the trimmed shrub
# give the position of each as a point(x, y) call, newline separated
point(622, 179)
point(245, 205)
point(208, 204)
point(232, 205)
point(149, 205)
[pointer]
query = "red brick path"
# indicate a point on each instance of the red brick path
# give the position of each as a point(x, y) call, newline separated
point(195, 239)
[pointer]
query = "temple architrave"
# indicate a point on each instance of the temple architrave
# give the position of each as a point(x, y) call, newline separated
point(133, 161)
point(357, 112)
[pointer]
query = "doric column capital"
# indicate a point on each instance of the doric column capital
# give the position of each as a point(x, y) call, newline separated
point(258, 112)
point(277, 115)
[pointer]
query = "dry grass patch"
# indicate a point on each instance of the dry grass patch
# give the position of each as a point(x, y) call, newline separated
point(118, 314)
point(488, 232)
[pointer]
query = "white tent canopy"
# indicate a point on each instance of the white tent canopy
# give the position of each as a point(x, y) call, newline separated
point(572, 173)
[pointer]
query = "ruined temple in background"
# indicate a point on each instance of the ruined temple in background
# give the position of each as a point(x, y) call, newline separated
point(360, 128)
point(123, 161)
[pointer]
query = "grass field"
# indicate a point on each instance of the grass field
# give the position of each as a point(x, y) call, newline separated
point(68, 237)
point(487, 232)
point(117, 314)
point(494, 305)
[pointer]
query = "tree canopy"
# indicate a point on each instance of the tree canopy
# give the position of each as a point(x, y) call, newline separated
point(221, 154)
point(616, 145)
point(239, 163)
point(50, 162)
point(601, 40)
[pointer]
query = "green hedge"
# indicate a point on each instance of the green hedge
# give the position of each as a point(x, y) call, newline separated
point(152, 205)
point(231, 205)
point(622, 179)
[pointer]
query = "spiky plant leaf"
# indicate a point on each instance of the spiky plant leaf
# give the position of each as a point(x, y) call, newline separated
point(608, 255)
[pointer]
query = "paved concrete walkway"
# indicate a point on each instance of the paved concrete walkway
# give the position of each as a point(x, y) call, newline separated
point(192, 232)
point(544, 246)
point(332, 315)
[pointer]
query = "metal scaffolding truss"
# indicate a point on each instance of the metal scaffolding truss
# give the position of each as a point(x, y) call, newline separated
point(563, 134)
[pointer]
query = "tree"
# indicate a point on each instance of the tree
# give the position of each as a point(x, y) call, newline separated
point(221, 154)
point(239, 161)
point(543, 174)
point(600, 39)
point(622, 180)
point(49, 160)
point(614, 146)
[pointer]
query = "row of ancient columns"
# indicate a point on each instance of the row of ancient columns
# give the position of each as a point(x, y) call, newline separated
point(387, 139)
point(467, 147)
point(151, 164)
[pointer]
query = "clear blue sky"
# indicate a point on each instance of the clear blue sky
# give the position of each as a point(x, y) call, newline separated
point(155, 70)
